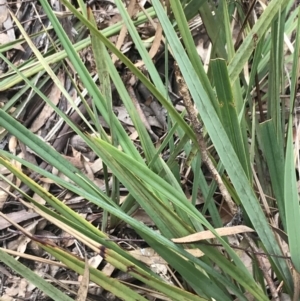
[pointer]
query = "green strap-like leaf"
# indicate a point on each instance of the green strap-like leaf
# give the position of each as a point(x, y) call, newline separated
point(223, 146)
point(33, 278)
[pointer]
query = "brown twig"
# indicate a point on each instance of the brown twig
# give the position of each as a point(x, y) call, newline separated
point(247, 18)
point(274, 293)
point(197, 127)
point(296, 281)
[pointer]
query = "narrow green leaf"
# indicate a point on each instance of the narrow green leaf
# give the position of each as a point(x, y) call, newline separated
point(273, 153)
point(223, 146)
point(292, 202)
point(228, 113)
point(250, 42)
point(291, 194)
point(10, 81)
point(192, 50)
point(214, 30)
point(108, 283)
point(46, 151)
point(33, 278)
point(192, 273)
point(160, 97)
point(275, 82)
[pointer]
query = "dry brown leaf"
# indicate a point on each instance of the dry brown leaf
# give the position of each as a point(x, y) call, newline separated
point(3, 11)
point(18, 288)
point(113, 20)
point(79, 144)
point(23, 288)
point(142, 216)
point(108, 269)
point(10, 30)
point(248, 297)
point(35, 247)
point(17, 165)
point(40, 199)
point(151, 258)
point(39, 269)
point(4, 171)
point(66, 240)
point(225, 231)
point(156, 263)
point(134, 134)
point(17, 217)
point(6, 298)
point(3, 195)
point(12, 144)
point(123, 32)
point(95, 261)
point(124, 117)
point(27, 154)
point(97, 165)
point(15, 289)
point(149, 254)
point(155, 45)
point(4, 271)
point(20, 244)
point(141, 112)
point(47, 111)
point(88, 170)
point(243, 255)
point(195, 252)
point(5, 38)
point(76, 161)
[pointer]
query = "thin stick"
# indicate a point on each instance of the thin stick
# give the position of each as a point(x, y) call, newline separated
point(274, 293)
point(197, 127)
